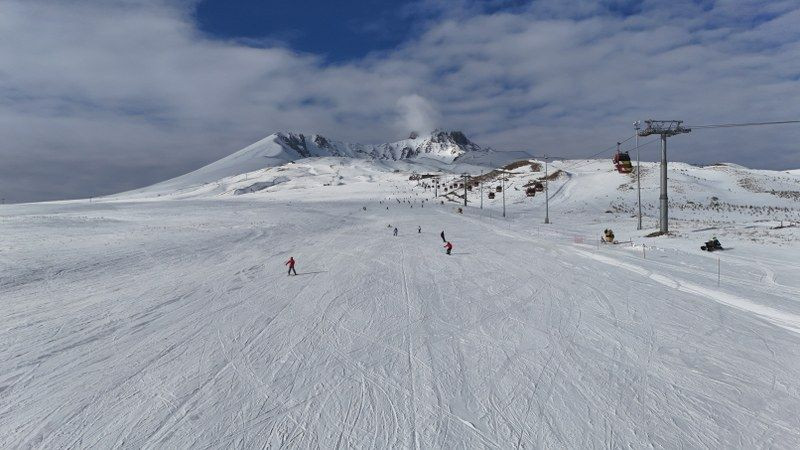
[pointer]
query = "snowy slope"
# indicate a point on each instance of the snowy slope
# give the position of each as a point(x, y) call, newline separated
point(173, 324)
point(163, 318)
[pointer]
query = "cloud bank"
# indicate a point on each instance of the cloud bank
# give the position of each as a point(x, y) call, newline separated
point(98, 97)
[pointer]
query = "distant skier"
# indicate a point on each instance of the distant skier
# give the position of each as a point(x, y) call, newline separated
point(442, 235)
point(419, 229)
point(395, 231)
point(290, 263)
point(448, 246)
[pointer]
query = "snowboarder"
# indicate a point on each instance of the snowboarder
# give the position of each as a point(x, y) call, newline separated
point(449, 247)
point(395, 231)
point(442, 235)
point(290, 263)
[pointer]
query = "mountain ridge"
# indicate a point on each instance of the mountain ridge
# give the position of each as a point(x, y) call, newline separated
point(282, 147)
point(445, 145)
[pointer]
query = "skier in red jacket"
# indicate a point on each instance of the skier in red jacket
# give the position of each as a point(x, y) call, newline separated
point(290, 263)
point(449, 247)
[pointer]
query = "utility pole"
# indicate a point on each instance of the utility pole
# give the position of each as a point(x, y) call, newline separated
point(466, 177)
point(504, 193)
point(664, 128)
point(546, 193)
point(481, 183)
point(638, 174)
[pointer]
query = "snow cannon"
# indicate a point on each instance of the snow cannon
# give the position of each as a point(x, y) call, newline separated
point(712, 245)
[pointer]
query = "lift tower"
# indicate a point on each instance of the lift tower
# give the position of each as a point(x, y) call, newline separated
point(664, 128)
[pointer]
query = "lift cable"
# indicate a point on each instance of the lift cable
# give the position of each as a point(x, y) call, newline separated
point(748, 124)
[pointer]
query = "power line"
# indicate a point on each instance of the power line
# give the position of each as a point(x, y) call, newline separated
point(613, 147)
point(579, 164)
point(747, 124)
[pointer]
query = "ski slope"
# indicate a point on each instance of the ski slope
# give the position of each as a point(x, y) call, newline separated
point(172, 323)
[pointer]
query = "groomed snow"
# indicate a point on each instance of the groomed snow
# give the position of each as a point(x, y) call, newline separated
point(169, 320)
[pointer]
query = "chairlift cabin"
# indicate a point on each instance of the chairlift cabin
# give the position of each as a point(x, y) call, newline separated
point(530, 192)
point(491, 195)
point(622, 162)
point(499, 189)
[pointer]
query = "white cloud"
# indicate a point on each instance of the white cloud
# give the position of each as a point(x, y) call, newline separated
point(418, 114)
point(97, 97)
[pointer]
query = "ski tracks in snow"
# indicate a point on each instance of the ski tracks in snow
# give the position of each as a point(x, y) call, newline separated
point(195, 337)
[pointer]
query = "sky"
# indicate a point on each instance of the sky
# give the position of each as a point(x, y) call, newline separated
point(103, 96)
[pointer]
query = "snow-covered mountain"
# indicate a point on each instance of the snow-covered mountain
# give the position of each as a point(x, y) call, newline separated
point(280, 148)
point(441, 145)
point(166, 318)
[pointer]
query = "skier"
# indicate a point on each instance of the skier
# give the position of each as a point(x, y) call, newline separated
point(395, 231)
point(419, 229)
point(442, 235)
point(449, 247)
point(290, 263)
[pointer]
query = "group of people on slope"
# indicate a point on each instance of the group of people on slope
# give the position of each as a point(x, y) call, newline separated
point(448, 246)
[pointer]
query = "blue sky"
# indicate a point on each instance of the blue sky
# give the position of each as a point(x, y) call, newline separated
point(338, 31)
point(100, 96)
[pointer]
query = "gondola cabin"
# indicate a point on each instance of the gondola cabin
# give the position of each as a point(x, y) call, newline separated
point(499, 189)
point(491, 195)
point(530, 192)
point(622, 162)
